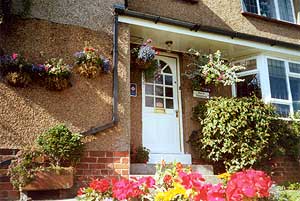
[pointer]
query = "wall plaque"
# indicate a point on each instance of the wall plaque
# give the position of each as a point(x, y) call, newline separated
point(201, 94)
point(133, 89)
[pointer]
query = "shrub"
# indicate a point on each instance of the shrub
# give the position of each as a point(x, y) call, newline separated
point(140, 155)
point(234, 131)
point(60, 144)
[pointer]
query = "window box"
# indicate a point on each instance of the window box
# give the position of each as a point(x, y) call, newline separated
point(51, 180)
point(279, 10)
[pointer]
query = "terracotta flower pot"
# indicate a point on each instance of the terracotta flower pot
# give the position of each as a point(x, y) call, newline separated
point(51, 180)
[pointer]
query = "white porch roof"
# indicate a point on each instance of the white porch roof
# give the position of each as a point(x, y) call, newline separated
point(184, 39)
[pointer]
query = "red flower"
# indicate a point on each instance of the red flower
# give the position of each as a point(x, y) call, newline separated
point(168, 179)
point(80, 191)
point(125, 189)
point(148, 181)
point(102, 185)
point(179, 167)
point(86, 49)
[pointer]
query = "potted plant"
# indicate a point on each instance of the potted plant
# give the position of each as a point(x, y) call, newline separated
point(139, 155)
point(89, 62)
point(15, 70)
point(49, 165)
point(211, 70)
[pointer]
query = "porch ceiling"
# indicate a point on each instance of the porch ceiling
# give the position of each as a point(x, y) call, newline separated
point(181, 43)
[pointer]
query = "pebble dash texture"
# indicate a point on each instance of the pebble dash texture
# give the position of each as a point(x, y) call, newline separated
point(26, 112)
point(218, 13)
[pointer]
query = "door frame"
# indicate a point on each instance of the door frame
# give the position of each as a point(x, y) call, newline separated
point(176, 57)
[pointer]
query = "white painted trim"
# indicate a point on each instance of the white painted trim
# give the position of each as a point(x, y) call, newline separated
point(205, 35)
point(179, 100)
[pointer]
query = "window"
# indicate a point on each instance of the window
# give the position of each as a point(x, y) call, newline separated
point(276, 9)
point(276, 81)
point(251, 84)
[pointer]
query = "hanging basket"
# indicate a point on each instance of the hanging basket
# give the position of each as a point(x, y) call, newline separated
point(139, 64)
point(88, 70)
point(18, 79)
point(55, 83)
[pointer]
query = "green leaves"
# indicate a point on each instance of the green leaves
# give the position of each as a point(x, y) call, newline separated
point(234, 131)
point(60, 144)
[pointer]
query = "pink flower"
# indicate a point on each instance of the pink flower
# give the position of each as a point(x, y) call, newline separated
point(80, 191)
point(149, 40)
point(191, 180)
point(148, 181)
point(14, 56)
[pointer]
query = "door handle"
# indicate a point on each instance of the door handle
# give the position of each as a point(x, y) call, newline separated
point(177, 113)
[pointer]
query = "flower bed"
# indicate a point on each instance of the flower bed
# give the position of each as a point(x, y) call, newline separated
point(176, 183)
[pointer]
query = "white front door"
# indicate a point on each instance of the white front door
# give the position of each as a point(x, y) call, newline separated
point(161, 133)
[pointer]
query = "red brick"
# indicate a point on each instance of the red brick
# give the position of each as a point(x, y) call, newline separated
point(117, 160)
point(121, 154)
point(104, 172)
point(97, 153)
point(79, 172)
point(105, 160)
point(95, 172)
point(13, 195)
point(3, 194)
point(88, 160)
point(118, 171)
point(96, 166)
point(109, 154)
point(87, 172)
point(6, 186)
point(82, 166)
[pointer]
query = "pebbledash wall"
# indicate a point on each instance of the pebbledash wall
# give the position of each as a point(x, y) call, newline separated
point(59, 29)
point(221, 14)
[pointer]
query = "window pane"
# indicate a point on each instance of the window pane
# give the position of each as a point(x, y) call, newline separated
point(159, 102)
point(168, 80)
point(294, 68)
point(286, 10)
point(295, 89)
point(250, 86)
point(250, 6)
point(159, 79)
point(149, 101)
point(169, 92)
point(169, 103)
point(277, 79)
point(267, 8)
point(282, 110)
point(167, 70)
point(159, 91)
point(149, 89)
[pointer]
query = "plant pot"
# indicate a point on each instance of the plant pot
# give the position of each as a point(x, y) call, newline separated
point(56, 83)
point(51, 180)
point(18, 79)
point(88, 70)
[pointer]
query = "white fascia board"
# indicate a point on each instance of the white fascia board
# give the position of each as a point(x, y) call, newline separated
point(206, 35)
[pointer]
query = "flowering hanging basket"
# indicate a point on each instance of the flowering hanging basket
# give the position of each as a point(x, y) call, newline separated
point(139, 64)
point(88, 70)
point(55, 83)
point(54, 179)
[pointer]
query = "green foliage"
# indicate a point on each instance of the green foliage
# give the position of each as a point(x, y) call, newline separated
point(140, 155)
point(22, 169)
point(60, 144)
point(234, 131)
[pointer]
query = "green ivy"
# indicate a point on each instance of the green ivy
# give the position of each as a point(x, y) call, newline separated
point(234, 131)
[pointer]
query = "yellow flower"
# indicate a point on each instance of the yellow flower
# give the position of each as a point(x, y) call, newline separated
point(178, 190)
point(225, 176)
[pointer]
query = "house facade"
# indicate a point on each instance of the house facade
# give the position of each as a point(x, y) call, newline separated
point(263, 35)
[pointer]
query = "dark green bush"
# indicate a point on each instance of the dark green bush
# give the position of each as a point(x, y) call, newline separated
point(234, 131)
point(60, 144)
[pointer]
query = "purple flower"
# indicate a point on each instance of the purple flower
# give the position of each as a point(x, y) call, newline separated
point(79, 54)
point(106, 65)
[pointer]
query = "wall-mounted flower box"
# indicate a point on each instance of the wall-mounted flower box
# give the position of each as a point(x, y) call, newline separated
point(54, 179)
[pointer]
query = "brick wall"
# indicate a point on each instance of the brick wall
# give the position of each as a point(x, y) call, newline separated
point(6, 189)
point(93, 164)
point(284, 169)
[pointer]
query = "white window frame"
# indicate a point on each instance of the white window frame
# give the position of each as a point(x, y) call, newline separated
point(277, 13)
point(263, 71)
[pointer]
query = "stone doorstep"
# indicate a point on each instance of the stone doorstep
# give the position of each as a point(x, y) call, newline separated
point(212, 179)
point(149, 169)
